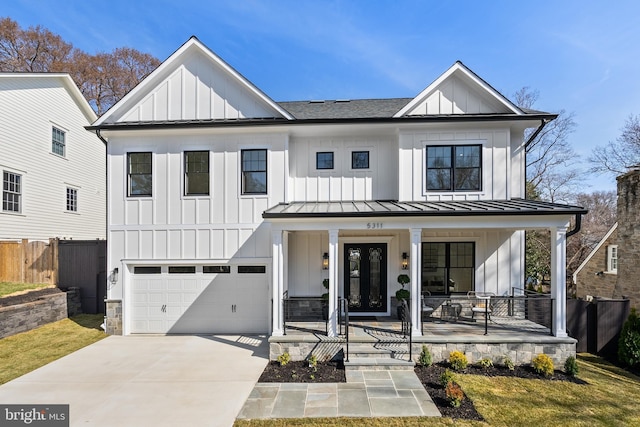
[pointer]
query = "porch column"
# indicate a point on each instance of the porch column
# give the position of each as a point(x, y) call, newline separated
point(558, 280)
point(414, 260)
point(333, 283)
point(277, 272)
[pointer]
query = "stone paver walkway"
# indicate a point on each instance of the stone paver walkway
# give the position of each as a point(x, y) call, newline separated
point(379, 393)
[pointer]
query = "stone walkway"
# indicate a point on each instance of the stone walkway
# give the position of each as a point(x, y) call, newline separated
point(380, 393)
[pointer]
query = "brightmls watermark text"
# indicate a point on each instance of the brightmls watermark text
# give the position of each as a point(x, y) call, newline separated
point(34, 415)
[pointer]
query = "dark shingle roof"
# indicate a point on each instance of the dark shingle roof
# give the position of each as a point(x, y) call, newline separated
point(345, 109)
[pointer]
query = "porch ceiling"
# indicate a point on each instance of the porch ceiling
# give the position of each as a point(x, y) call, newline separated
point(389, 208)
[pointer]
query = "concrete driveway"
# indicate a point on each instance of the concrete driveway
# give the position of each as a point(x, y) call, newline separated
point(148, 380)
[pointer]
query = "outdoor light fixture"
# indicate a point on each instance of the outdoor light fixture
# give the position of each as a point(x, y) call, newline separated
point(405, 261)
point(113, 277)
point(325, 261)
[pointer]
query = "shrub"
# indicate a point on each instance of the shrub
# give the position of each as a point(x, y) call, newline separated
point(313, 362)
point(508, 363)
point(446, 378)
point(284, 358)
point(543, 364)
point(571, 366)
point(454, 394)
point(425, 357)
point(485, 362)
point(458, 360)
point(629, 342)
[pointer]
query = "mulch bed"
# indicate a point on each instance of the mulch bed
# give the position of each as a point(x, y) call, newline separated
point(300, 372)
point(27, 297)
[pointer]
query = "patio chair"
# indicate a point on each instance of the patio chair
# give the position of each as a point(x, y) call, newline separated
point(481, 303)
point(427, 306)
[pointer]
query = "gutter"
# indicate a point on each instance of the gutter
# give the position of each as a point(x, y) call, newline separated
point(543, 123)
point(576, 228)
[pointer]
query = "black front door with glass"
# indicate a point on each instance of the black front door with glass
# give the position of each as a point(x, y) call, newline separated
point(365, 277)
point(448, 267)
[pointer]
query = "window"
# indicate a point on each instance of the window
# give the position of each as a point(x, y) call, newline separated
point(359, 160)
point(57, 141)
point(72, 199)
point(11, 191)
point(252, 269)
point(214, 269)
point(196, 173)
point(448, 267)
point(324, 160)
point(140, 176)
point(147, 270)
point(453, 168)
point(254, 171)
point(179, 269)
point(612, 259)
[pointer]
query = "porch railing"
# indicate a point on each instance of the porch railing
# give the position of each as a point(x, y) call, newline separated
point(407, 325)
point(304, 309)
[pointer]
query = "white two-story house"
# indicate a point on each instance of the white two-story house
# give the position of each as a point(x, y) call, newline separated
point(222, 202)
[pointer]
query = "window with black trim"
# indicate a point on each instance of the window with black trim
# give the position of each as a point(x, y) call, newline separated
point(196, 173)
point(359, 160)
point(324, 160)
point(454, 168)
point(72, 199)
point(216, 269)
point(448, 267)
point(254, 171)
point(252, 269)
point(58, 144)
point(11, 191)
point(139, 174)
point(147, 270)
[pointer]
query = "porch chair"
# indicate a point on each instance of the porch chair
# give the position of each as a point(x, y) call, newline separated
point(427, 306)
point(481, 303)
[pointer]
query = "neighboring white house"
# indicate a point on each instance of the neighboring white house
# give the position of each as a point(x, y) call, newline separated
point(53, 169)
point(221, 199)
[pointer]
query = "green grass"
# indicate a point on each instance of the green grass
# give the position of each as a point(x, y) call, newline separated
point(22, 353)
point(610, 399)
point(8, 288)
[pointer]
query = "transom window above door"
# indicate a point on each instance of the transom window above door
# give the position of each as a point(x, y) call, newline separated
point(454, 168)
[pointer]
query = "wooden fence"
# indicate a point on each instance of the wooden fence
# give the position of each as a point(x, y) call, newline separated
point(29, 262)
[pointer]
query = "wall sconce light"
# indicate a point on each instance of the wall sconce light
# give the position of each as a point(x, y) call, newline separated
point(113, 277)
point(325, 261)
point(405, 261)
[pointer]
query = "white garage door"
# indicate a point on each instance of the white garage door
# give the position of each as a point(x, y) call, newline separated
point(175, 300)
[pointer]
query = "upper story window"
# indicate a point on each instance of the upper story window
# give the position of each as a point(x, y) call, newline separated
point(58, 145)
point(11, 191)
point(139, 173)
point(72, 199)
point(454, 168)
point(196, 173)
point(324, 160)
point(359, 160)
point(612, 258)
point(254, 171)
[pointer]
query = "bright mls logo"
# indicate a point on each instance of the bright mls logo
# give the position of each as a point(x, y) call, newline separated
point(35, 415)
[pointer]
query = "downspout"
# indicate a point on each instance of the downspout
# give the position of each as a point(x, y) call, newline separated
point(543, 123)
point(576, 227)
point(106, 202)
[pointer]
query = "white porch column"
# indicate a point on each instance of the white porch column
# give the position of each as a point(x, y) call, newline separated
point(277, 280)
point(333, 283)
point(414, 261)
point(558, 280)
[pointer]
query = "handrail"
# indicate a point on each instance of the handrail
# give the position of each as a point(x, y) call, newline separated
point(285, 297)
point(407, 326)
point(346, 326)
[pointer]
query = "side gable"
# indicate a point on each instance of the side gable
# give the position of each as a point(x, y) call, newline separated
point(586, 261)
point(193, 84)
point(459, 91)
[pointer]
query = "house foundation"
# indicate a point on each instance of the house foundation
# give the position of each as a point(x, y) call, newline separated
point(113, 319)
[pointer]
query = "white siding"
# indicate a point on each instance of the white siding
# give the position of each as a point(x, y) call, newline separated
point(29, 107)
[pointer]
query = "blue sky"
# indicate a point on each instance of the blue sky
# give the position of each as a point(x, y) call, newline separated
point(582, 56)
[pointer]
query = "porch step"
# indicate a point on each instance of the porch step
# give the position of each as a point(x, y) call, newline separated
point(379, 350)
point(377, 364)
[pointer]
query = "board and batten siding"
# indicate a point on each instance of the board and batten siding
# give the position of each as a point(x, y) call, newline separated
point(29, 107)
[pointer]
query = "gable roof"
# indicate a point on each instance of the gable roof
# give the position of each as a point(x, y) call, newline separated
point(345, 108)
point(593, 252)
point(191, 62)
point(66, 81)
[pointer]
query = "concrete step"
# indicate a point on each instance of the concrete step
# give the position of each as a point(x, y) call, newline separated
point(377, 364)
point(378, 350)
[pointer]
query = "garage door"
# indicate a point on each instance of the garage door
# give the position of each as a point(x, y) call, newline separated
point(199, 299)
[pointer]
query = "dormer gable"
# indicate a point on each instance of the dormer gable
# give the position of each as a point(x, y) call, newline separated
point(193, 84)
point(458, 91)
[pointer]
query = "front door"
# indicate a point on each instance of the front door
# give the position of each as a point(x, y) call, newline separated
point(365, 277)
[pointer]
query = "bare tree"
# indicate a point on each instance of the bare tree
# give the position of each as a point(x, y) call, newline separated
point(619, 155)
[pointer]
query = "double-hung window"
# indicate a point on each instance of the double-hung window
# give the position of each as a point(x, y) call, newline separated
point(196, 173)
point(11, 191)
point(254, 171)
point(139, 174)
point(58, 144)
point(612, 258)
point(448, 267)
point(72, 199)
point(454, 168)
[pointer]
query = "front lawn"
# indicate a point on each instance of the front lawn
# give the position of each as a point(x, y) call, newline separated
point(25, 352)
point(609, 398)
point(8, 288)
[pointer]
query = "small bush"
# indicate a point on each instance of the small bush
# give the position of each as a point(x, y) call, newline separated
point(313, 362)
point(425, 357)
point(284, 358)
point(458, 360)
point(543, 364)
point(629, 342)
point(446, 378)
point(508, 363)
point(486, 363)
point(454, 394)
point(571, 366)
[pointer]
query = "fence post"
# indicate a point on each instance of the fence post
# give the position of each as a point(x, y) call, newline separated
point(24, 260)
